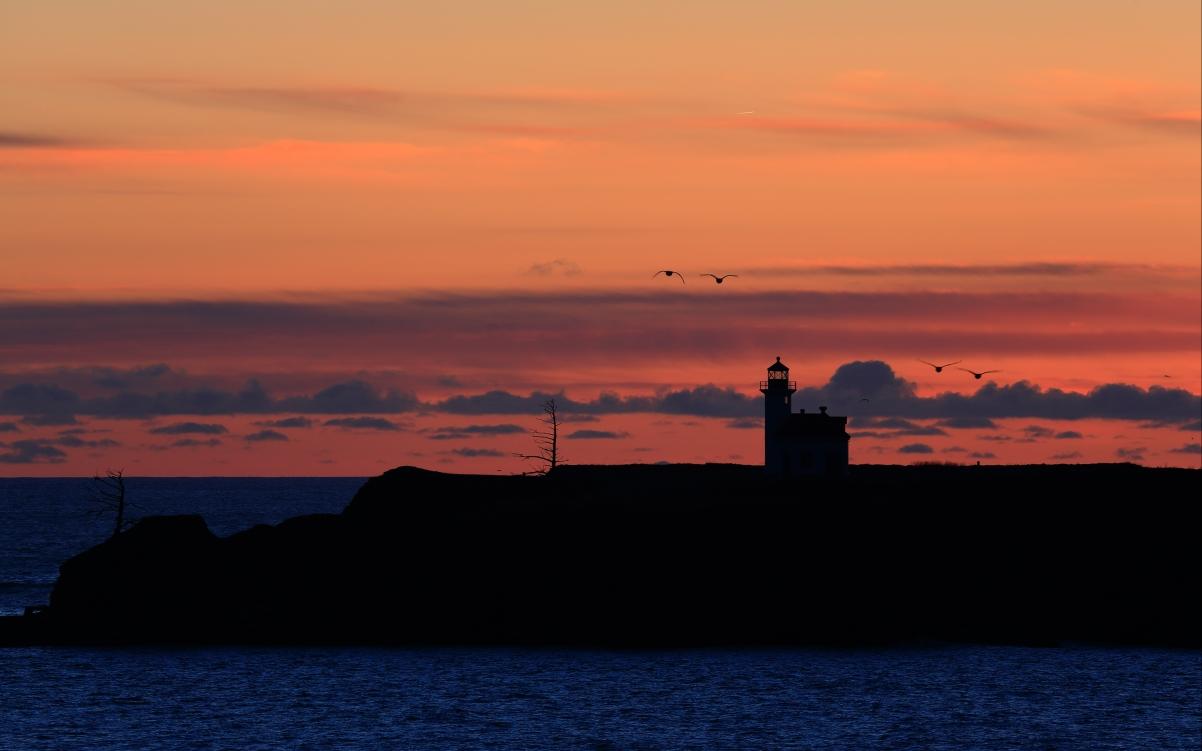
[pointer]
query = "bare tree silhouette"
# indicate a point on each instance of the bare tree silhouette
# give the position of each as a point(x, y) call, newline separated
point(546, 441)
point(108, 495)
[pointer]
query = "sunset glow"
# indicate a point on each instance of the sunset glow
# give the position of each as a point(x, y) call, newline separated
point(399, 228)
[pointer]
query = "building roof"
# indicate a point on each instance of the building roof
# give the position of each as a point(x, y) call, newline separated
point(778, 365)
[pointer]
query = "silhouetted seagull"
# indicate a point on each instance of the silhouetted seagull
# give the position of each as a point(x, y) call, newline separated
point(666, 272)
point(718, 279)
point(863, 398)
point(939, 368)
point(977, 375)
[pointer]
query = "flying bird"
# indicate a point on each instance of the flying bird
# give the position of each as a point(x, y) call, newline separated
point(864, 399)
point(746, 112)
point(977, 375)
point(718, 279)
point(666, 272)
point(939, 368)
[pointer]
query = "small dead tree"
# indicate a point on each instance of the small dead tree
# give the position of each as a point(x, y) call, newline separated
point(108, 496)
point(546, 441)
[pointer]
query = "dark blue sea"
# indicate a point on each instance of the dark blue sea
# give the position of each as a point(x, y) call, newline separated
point(935, 697)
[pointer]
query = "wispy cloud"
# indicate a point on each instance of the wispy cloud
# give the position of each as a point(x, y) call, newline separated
point(950, 120)
point(867, 127)
point(593, 435)
point(558, 266)
point(363, 423)
point(464, 432)
point(1037, 269)
point(373, 101)
point(265, 436)
point(1067, 456)
point(287, 422)
point(477, 452)
point(192, 443)
point(48, 419)
point(10, 140)
point(897, 426)
point(1184, 124)
point(539, 113)
point(745, 423)
point(359, 100)
point(445, 326)
point(967, 423)
point(75, 441)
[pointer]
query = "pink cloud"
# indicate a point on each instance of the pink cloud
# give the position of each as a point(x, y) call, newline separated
point(524, 330)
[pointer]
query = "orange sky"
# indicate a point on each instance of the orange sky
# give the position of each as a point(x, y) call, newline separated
point(1033, 169)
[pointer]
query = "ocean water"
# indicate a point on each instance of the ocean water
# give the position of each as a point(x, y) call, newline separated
point(938, 697)
point(944, 698)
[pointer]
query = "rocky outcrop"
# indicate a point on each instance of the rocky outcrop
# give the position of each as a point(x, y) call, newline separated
point(673, 555)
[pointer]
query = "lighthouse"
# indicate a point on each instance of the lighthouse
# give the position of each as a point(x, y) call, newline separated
point(778, 393)
point(799, 444)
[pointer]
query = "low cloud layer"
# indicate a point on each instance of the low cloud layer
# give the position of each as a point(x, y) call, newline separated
point(890, 398)
point(30, 452)
point(181, 428)
point(47, 403)
point(892, 403)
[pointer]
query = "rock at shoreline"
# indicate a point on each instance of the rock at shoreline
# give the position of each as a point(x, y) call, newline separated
point(673, 555)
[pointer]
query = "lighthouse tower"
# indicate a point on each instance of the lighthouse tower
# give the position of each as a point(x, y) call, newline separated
point(797, 444)
point(778, 393)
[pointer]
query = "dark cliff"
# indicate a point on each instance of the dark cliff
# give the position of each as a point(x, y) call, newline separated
point(672, 555)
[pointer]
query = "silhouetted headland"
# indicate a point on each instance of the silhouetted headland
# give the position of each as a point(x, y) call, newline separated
point(675, 555)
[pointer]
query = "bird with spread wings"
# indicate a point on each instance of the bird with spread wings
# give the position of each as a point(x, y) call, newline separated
point(939, 368)
point(977, 375)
